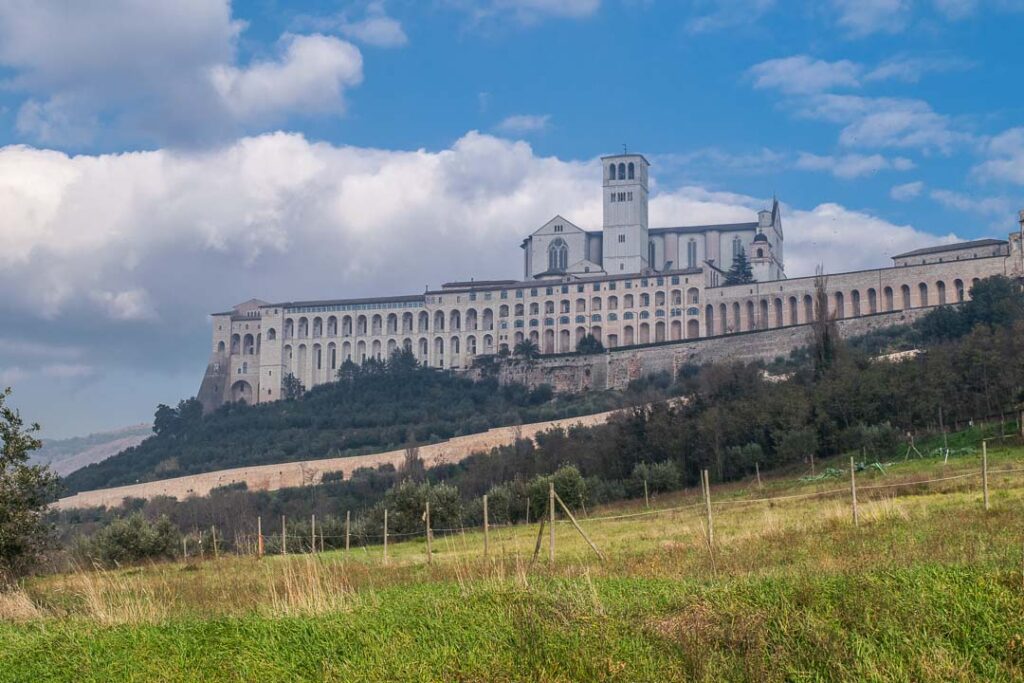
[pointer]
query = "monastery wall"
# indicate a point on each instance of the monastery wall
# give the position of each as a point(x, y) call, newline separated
point(309, 472)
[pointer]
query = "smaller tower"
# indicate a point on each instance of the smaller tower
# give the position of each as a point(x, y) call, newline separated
point(625, 241)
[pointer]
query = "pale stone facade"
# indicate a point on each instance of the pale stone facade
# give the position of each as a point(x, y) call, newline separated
point(628, 285)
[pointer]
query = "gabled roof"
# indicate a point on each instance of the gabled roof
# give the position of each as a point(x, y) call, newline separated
point(956, 246)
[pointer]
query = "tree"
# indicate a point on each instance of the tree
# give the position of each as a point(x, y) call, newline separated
point(402, 362)
point(740, 273)
point(292, 388)
point(25, 491)
point(527, 349)
point(826, 333)
point(589, 344)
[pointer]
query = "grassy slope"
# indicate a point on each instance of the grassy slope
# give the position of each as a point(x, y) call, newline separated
point(928, 588)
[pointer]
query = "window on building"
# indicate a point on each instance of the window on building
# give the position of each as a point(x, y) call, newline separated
point(558, 255)
point(691, 254)
point(632, 171)
point(558, 228)
point(622, 239)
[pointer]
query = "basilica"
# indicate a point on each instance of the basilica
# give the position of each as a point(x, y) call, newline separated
point(627, 284)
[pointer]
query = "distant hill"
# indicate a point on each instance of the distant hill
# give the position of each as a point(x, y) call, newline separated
point(67, 455)
point(375, 408)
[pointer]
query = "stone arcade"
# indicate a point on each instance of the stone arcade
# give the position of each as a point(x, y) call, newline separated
point(628, 284)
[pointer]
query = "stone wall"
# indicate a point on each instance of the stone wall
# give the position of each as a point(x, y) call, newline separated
point(308, 472)
point(616, 368)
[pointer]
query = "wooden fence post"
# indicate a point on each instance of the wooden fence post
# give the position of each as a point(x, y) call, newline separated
point(486, 526)
point(757, 471)
point(707, 504)
point(426, 516)
point(184, 547)
point(578, 527)
point(551, 521)
point(312, 533)
point(647, 498)
point(385, 535)
point(348, 522)
point(213, 533)
point(284, 536)
point(259, 537)
point(853, 492)
point(984, 472)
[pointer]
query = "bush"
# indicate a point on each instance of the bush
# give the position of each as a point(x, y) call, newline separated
point(660, 477)
point(133, 539)
point(569, 486)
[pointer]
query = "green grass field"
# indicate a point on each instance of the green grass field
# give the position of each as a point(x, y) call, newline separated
point(929, 587)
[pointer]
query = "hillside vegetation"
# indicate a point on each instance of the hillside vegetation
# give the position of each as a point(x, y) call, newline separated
point(378, 407)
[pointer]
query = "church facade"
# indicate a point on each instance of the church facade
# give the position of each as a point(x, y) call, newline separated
point(627, 284)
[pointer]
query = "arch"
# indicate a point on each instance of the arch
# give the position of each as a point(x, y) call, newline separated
point(645, 333)
point(332, 355)
point(611, 171)
point(503, 311)
point(677, 330)
point(407, 344)
point(692, 329)
point(778, 312)
point(248, 345)
point(455, 321)
point(794, 311)
point(645, 300)
point(709, 319)
point(958, 285)
point(471, 345)
point(887, 299)
point(439, 321)
point(407, 323)
point(723, 318)
point(318, 327)
point(581, 332)
point(392, 323)
point(808, 308)
point(453, 352)
point(558, 255)
point(520, 310)
point(622, 171)
point(332, 326)
point(839, 309)
point(677, 297)
point(659, 331)
point(377, 324)
point(631, 171)
point(905, 291)
point(424, 350)
point(220, 346)
point(751, 316)
point(488, 344)
point(627, 335)
point(692, 296)
point(423, 323)
point(361, 326)
point(564, 341)
point(518, 338)
point(595, 303)
point(286, 358)
point(549, 341)
point(236, 344)
point(737, 324)
point(438, 359)
point(346, 351)
point(659, 299)
point(303, 328)
point(872, 300)
point(691, 253)
point(535, 337)
point(940, 290)
point(300, 363)
point(472, 322)
point(760, 252)
point(564, 306)
point(581, 305)
point(596, 332)
point(627, 301)
point(762, 321)
point(375, 349)
point(361, 352)
point(241, 392)
point(271, 334)
point(392, 347)
point(289, 328)
point(922, 291)
point(488, 319)
point(534, 308)
point(346, 326)
point(318, 360)
point(855, 303)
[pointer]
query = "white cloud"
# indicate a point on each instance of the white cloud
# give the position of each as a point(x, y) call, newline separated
point(156, 71)
point(375, 28)
point(311, 77)
point(725, 14)
point(991, 206)
point(1005, 161)
point(912, 69)
point(864, 17)
point(520, 124)
point(526, 11)
point(850, 166)
point(955, 10)
point(11, 376)
point(803, 74)
point(906, 191)
point(132, 304)
point(67, 370)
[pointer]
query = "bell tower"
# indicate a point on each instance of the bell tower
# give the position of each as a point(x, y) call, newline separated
point(625, 241)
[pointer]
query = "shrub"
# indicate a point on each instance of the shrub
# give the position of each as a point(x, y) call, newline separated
point(133, 539)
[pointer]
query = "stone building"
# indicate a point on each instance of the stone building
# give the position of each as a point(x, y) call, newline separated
point(629, 285)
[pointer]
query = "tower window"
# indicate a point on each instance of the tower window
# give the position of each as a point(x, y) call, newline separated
point(737, 247)
point(691, 254)
point(632, 171)
point(613, 197)
point(558, 228)
point(629, 196)
point(622, 171)
point(558, 255)
point(622, 238)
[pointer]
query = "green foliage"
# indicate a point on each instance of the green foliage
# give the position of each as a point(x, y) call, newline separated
point(589, 344)
point(569, 486)
point(25, 491)
point(740, 273)
point(131, 540)
point(175, 422)
point(526, 349)
point(291, 387)
point(660, 477)
point(996, 301)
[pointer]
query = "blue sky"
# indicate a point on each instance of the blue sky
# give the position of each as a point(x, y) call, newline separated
point(163, 160)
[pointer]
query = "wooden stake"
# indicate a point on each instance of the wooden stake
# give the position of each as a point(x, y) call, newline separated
point(184, 547)
point(647, 499)
point(385, 535)
point(312, 533)
point(853, 492)
point(757, 471)
point(578, 528)
point(984, 472)
point(527, 510)
point(259, 537)
point(348, 523)
point(486, 527)
point(707, 505)
point(213, 533)
point(426, 516)
point(540, 539)
point(284, 536)
point(551, 521)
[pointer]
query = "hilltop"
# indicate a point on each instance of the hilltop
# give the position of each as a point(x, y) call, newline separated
point(65, 456)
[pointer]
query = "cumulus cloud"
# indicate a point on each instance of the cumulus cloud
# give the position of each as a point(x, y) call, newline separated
point(159, 71)
point(850, 166)
point(1005, 160)
point(526, 11)
point(520, 124)
point(724, 14)
point(803, 74)
point(864, 17)
point(907, 191)
point(992, 206)
point(374, 28)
